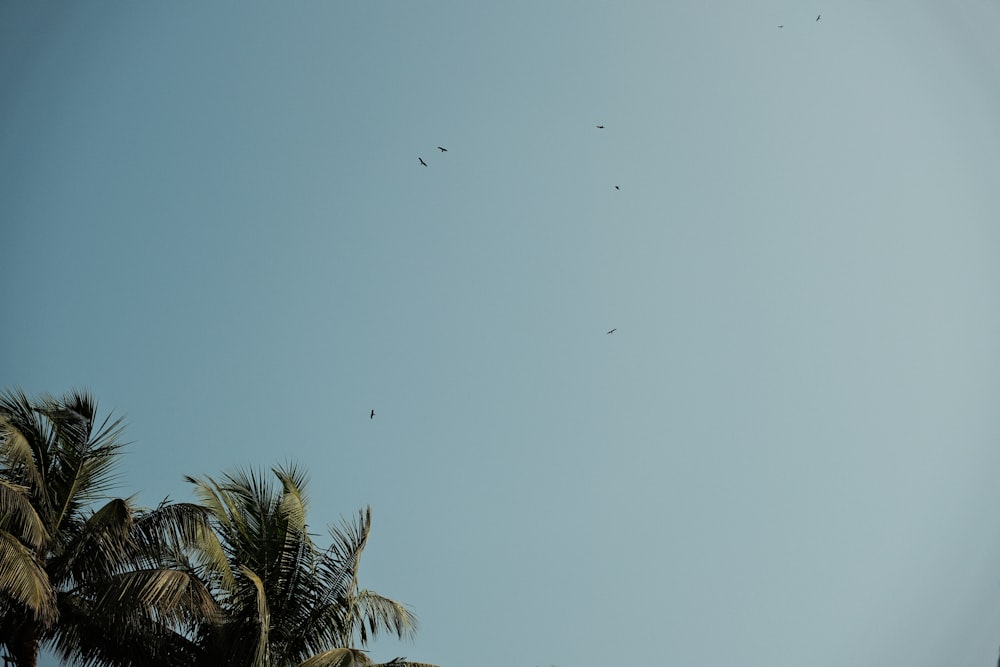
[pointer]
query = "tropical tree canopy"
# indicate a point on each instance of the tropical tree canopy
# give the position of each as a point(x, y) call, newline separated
point(233, 581)
point(285, 601)
point(96, 578)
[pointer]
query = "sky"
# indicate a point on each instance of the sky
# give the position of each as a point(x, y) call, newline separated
point(214, 219)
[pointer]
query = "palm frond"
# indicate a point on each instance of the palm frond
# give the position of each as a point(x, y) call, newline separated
point(349, 540)
point(24, 580)
point(339, 657)
point(110, 586)
point(291, 603)
point(211, 551)
point(171, 529)
point(84, 462)
point(263, 620)
point(403, 662)
point(294, 501)
point(90, 634)
point(207, 492)
point(98, 546)
point(173, 596)
point(18, 514)
point(376, 612)
point(24, 441)
point(249, 501)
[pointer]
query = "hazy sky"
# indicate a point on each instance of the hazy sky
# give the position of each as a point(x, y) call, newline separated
point(213, 218)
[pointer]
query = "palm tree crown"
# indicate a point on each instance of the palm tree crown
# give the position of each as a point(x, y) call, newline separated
point(96, 583)
point(286, 602)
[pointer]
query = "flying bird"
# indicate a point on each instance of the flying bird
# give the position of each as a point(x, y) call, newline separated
point(373, 415)
point(422, 161)
point(817, 16)
point(442, 149)
point(781, 26)
point(612, 331)
point(600, 127)
point(617, 188)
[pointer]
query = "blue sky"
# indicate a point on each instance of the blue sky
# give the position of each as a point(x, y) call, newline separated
point(213, 217)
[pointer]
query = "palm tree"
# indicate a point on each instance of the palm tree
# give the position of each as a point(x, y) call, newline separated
point(285, 601)
point(101, 585)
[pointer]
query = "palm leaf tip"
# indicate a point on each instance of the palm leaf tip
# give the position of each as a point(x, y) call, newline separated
point(403, 662)
point(339, 657)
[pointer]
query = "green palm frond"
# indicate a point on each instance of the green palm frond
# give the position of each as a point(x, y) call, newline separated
point(18, 515)
point(84, 460)
point(90, 634)
point(294, 501)
point(248, 502)
point(263, 620)
point(24, 580)
point(137, 573)
point(173, 596)
point(250, 498)
point(403, 662)
point(339, 657)
point(207, 491)
point(111, 585)
point(349, 539)
point(24, 439)
point(211, 552)
point(98, 546)
point(292, 603)
point(171, 529)
point(342, 558)
point(376, 612)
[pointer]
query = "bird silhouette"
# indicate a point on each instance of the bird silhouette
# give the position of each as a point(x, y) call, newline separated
point(373, 415)
point(442, 149)
point(422, 161)
point(781, 26)
point(600, 127)
point(617, 188)
point(817, 16)
point(612, 331)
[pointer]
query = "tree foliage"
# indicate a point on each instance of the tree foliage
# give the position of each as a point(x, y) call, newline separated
point(285, 600)
point(92, 576)
point(234, 580)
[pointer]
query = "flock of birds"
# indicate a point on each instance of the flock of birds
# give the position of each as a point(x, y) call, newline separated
point(423, 163)
point(599, 127)
point(440, 148)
